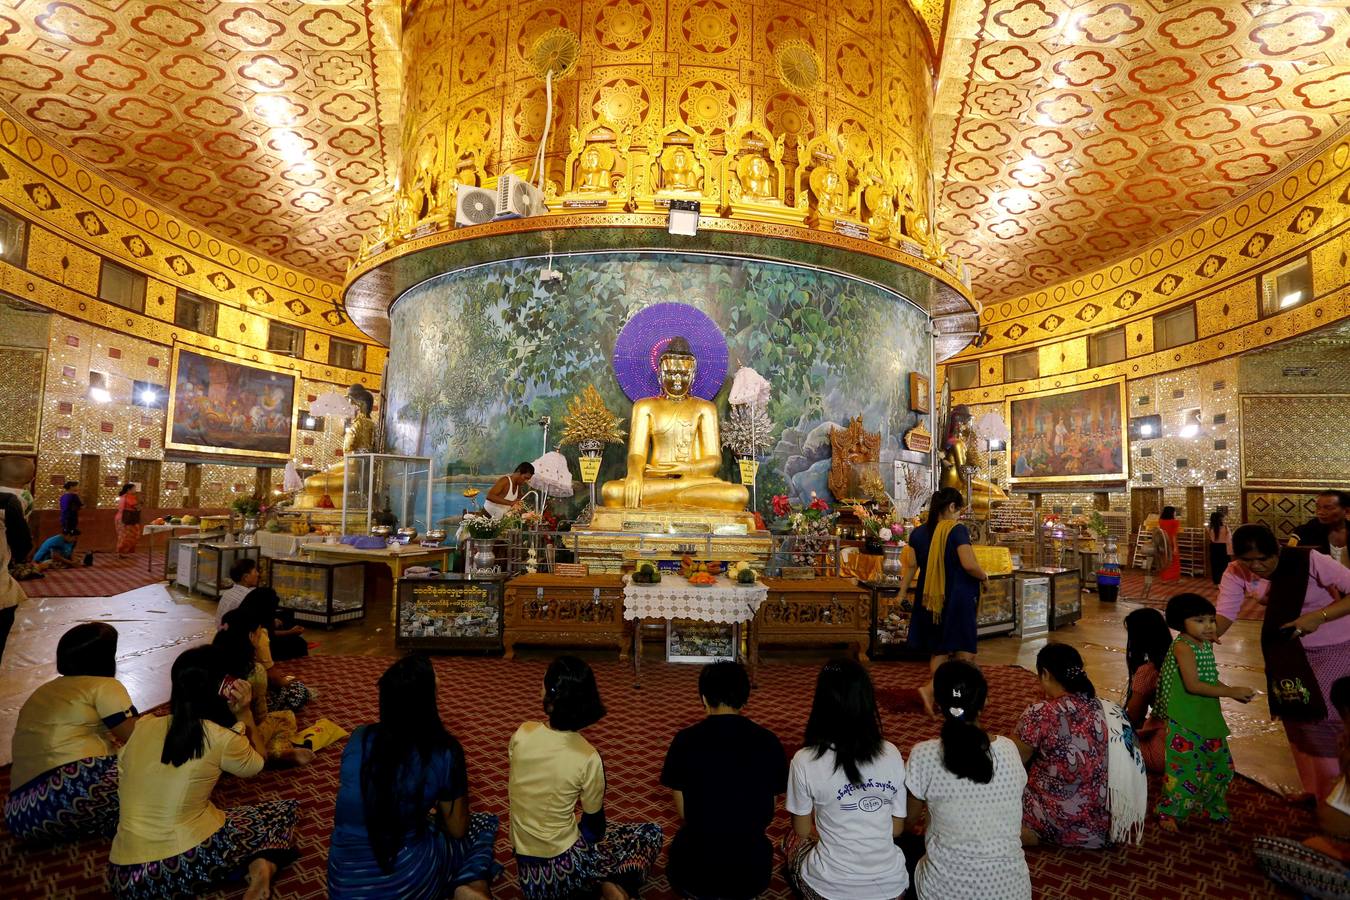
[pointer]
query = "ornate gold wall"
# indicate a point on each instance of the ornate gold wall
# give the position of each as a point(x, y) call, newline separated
point(846, 86)
point(1215, 265)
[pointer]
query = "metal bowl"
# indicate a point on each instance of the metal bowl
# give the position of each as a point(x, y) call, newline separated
point(380, 531)
point(406, 535)
point(436, 535)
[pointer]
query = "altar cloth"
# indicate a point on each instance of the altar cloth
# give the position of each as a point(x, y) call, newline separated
point(725, 602)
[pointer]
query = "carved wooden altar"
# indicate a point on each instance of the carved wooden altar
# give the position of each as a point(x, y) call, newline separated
point(818, 611)
point(555, 610)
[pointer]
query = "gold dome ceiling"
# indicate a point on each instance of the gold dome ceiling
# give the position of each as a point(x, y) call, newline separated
point(1072, 134)
point(1067, 136)
point(265, 122)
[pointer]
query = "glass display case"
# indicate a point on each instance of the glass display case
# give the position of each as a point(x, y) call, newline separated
point(890, 622)
point(450, 612)
point(1031, 593)
point(214, 559)
point(688, 641)
point(386, 489)
point(180, 556)
point(322, 591)
point(996, 613)
point(1064, 595)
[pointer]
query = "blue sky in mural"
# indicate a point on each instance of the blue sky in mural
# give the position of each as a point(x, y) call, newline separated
point(478, 356)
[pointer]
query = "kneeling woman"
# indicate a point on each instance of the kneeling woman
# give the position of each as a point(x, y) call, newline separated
point(384, 843)
point(552, 769)
point(171, 840)
point(1063, 739)
point(65, 758)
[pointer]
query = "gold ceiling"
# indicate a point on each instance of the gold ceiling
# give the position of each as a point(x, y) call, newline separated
point(1071, 134)
point(265, 122)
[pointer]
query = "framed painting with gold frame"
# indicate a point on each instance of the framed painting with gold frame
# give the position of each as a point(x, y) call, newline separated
point(918, 392)
point(1068, 435)
point(218, 405)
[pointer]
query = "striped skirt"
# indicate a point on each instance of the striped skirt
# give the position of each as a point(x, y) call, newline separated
point(72, 801)
point(427, 868)
point(249, 832)
point(292, 696)
point(623, 856)
point(1322, 738)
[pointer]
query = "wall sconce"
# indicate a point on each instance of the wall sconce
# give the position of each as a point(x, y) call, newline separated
point(684, 217)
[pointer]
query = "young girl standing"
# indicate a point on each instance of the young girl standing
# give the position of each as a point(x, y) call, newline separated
point(1198, 766)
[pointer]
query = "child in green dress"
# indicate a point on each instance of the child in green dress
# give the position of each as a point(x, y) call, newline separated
point(1198, 767)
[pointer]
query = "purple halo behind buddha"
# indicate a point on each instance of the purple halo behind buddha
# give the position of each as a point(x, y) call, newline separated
point(646, 335)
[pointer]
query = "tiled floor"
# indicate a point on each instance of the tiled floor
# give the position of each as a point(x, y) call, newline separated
point(156, 622)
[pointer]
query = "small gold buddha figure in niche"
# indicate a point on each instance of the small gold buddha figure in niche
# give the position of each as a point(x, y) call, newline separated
point(359, 437)
point(674, 450)
point(756, 177)
point(881, 201)
point(597, 165)
point(831, 190)
point(678, 172)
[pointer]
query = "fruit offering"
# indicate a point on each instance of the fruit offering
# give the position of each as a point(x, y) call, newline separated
point(702, 579)
point(646, 573)
point(689, 567)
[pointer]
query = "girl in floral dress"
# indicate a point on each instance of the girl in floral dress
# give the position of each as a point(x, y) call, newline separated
point(1064, 742)
point(1198, 766)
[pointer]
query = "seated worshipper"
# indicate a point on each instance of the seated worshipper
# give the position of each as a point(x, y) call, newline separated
point(1319, 866)
point(272, 734)
point(1147, 640)
point(848, 781)
point(721, 849)
point(244, 573)
point(56, 552)
point(553, 768)
point(171, 840)
point(283, 691)
point(970, 788)
point(1063, 740)
point(402, 828)
point(63, 785)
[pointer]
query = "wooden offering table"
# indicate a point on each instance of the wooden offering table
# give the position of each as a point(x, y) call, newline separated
point(558, 610)
point(674, 598)
point(813, 611)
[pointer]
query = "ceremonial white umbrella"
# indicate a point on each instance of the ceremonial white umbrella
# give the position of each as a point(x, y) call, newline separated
point(748, 386)
point(331, 403)
point(551, 477)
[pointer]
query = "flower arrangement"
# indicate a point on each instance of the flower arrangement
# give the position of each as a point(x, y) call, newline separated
point(782, 508)
point(816, 519)
point(1097, 524)
point(482, 528)
point(884, 527)
point(748, 431)
point(249, 507)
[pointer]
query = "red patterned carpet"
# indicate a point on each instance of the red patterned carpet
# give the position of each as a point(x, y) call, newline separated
point(107, 577)
point(485, 699)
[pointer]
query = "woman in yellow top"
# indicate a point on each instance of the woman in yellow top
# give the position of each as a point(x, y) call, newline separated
point(171, 840)
point(552, 769)
point(64, 779)
point(271, 732)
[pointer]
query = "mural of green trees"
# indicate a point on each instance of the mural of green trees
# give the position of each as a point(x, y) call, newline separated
point(478, 356)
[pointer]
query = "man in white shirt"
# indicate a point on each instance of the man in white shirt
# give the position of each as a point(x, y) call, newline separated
point(244, 573)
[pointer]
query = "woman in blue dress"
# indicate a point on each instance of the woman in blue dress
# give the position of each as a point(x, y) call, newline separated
point(385, 843)
point(948, 591)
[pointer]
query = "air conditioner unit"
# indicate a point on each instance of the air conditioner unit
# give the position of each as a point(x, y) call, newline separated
point(474, 205)
point(517, 198)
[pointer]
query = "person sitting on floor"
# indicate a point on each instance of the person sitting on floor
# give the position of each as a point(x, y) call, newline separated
point(270, 732)
point(384, 842)
point(1319, 866)
point(283, 691)
point(721, 849)
point(56, 552)
point(1063, 740)
point(970, 789)
point(847, 781)
point(63, 785)
point(171, 839)
point(1147, 640)
point(244, 573)
point(553, 768)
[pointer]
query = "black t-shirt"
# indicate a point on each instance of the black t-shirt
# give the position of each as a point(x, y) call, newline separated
point(730, 771)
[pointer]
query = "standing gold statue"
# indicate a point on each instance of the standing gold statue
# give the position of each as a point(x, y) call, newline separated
point(983, 494)
point(358, 438)
point(674, 450)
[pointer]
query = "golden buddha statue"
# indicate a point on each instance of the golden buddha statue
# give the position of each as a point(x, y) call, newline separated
point(674, 450)
point(359, 437)
point(831, 190)
point(756, 178)
point(596, 165)
point(677, 170)
point(955, 455)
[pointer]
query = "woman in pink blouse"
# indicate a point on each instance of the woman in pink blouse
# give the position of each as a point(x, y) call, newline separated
point(1323, 627)
point(127, 519)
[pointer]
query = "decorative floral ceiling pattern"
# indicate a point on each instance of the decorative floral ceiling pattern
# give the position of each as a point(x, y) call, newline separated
point(1069, 135)
point(262, 121)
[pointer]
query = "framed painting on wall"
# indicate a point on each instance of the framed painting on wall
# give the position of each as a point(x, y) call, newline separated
point(918, 393)
point(218, 405)
point(1074, 435)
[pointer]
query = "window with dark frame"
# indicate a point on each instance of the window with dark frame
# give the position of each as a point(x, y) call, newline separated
point(149, 395)
point(1022, 366)
point(307, 421)
point(120, 285)
point(13, 230)
point(1286, 287)
point(195, 313)
point(1174, 328)
point(1106, 347)
point(285, 339)
point(346, 354)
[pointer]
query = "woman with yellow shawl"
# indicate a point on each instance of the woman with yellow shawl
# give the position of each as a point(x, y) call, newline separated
point(948, 592)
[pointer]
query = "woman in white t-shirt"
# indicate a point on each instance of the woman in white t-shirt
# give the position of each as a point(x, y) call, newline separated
point(971, 790)
point(847, 781)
